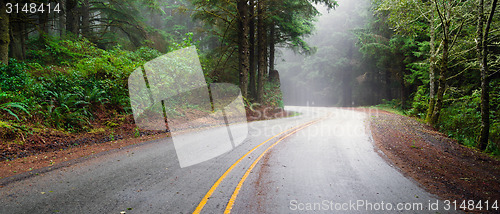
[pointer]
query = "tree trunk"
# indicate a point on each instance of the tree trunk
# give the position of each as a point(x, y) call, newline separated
point(272, 48)
point(262, 49)
point(387, 85)
point(85, 11)
point(432, 73)
point(346, 81)
point(402, 84)
point(485, 104)
point(482, 140)
point(445, 21)
point(61, 19)
point(346, 89)
point(4, 35)
point(441, 83)
point(72, 16)
point(243, 46)
point(43, 21)
point(17, 48)
point(253, 82)
point(482, 52)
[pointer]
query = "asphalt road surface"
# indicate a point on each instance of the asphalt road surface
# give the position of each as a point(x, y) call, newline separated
point(321, 161)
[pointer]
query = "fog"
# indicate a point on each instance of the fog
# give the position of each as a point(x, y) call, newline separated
point(327, 77)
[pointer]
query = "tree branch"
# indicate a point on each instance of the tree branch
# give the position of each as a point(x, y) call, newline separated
point(456, 35)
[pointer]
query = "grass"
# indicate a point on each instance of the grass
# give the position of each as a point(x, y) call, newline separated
point(388, 109)
point(294, 114)
point(97, 130)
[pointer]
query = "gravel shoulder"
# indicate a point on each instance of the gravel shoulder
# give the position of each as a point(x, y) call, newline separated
point(440, 164)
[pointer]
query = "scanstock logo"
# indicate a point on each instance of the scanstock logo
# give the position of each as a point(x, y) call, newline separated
point(204, 121)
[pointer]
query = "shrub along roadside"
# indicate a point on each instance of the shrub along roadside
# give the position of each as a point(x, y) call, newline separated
point(64, 84)
point(75, 91)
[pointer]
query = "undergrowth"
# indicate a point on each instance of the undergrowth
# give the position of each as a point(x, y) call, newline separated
point(460, 116)
point(64, 83)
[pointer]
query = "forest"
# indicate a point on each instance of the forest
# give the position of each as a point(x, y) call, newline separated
point(432, 60)
point(65, 63)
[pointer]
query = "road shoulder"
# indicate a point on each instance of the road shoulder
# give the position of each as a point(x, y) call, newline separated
point(440, 164)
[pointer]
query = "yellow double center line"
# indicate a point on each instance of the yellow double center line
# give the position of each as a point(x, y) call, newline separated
point(240, 184)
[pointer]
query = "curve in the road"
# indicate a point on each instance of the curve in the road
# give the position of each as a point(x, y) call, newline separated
point(291, 131)
point(240, 184)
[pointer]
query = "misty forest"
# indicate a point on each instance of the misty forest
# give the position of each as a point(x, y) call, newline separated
point(65, 65)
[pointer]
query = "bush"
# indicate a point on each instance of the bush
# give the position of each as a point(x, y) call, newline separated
point(11, 107)
point(272, 95)
point(145, 54)
point(461, 118)
point(66, 110)
point(49, 50)
point(393, 105)
point(65, 81)
point(14, 76)
point(420, 103)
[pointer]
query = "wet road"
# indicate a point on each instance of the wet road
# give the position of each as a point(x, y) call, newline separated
point(320, 161)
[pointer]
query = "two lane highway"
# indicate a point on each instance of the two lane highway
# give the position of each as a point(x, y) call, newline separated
point(320, 161)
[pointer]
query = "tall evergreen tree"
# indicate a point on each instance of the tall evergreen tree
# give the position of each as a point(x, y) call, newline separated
point(4, 35)
point(482, 42)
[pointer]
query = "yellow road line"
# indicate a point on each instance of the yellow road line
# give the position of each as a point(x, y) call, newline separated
point(240, 184)
point(216, 184)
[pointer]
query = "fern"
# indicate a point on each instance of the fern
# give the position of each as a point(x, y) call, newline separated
point(8, 107)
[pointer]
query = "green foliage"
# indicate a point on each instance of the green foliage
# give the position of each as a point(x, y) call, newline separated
point(115, 64)
point(272, 95)
point(460, 119)
point(10, 106)
point(249, 104)
point(14, 76)
point(12, 131)
point(413, 34)
point(97, 76)
point(112, 136)
point(144, 54)
point(95, 97)
point(66, 110)
point(420, 103)
point(186, 42)
point(52, 50)
point(393, 106)
point(137, 133)
point(495, 137)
